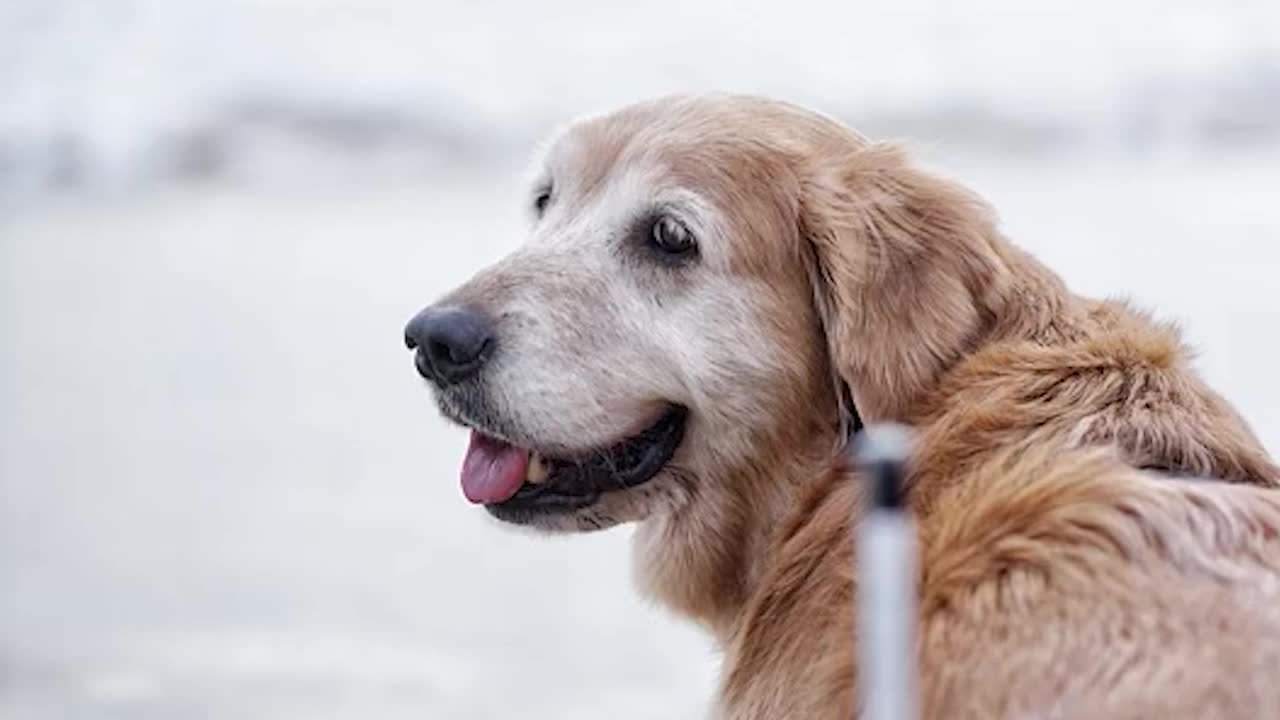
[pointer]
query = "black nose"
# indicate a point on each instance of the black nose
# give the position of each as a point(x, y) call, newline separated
point(452, 342)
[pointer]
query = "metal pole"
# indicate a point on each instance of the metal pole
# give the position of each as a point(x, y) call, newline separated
point(886, 571)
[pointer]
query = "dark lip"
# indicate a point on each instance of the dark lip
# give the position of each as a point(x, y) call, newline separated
point(573, 484)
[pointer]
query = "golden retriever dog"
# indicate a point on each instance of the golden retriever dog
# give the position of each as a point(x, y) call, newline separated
point(715, 288)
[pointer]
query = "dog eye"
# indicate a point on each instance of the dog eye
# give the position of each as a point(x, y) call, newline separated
point(672, 237)
point(542, 200)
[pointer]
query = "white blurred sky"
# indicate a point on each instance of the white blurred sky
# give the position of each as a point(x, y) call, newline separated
point(119, 69)
point(243, 505)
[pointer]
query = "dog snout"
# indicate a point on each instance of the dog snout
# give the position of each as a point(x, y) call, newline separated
point(452, 342)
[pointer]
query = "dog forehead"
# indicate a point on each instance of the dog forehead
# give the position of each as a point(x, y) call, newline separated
point(734, 162)
point(674, 133)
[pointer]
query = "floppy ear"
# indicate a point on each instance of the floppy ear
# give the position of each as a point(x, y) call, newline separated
point(906, 269)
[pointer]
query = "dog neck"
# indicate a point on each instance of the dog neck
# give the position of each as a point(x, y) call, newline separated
point(894, 337)
point(704, 558)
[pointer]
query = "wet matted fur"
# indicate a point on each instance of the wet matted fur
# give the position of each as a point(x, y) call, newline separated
point(1064, 573)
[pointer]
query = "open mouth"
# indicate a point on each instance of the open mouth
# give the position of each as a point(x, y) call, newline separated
point(513, 481)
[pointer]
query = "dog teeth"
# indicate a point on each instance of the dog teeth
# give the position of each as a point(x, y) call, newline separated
point(538, 469)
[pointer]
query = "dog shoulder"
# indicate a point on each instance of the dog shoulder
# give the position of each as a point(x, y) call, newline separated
point(1056, 512)
point(1041, 560)
point(1097, 577)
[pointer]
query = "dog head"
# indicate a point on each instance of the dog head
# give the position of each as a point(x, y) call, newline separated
point(701, 279)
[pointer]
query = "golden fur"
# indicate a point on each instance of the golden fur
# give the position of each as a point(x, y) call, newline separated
point(1080, 589)
point(1065, 573)
point(1056, 582)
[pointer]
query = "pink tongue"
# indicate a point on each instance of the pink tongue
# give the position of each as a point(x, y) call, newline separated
point(492, 470)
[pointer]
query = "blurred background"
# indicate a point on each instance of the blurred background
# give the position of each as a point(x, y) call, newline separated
point(224, 492)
